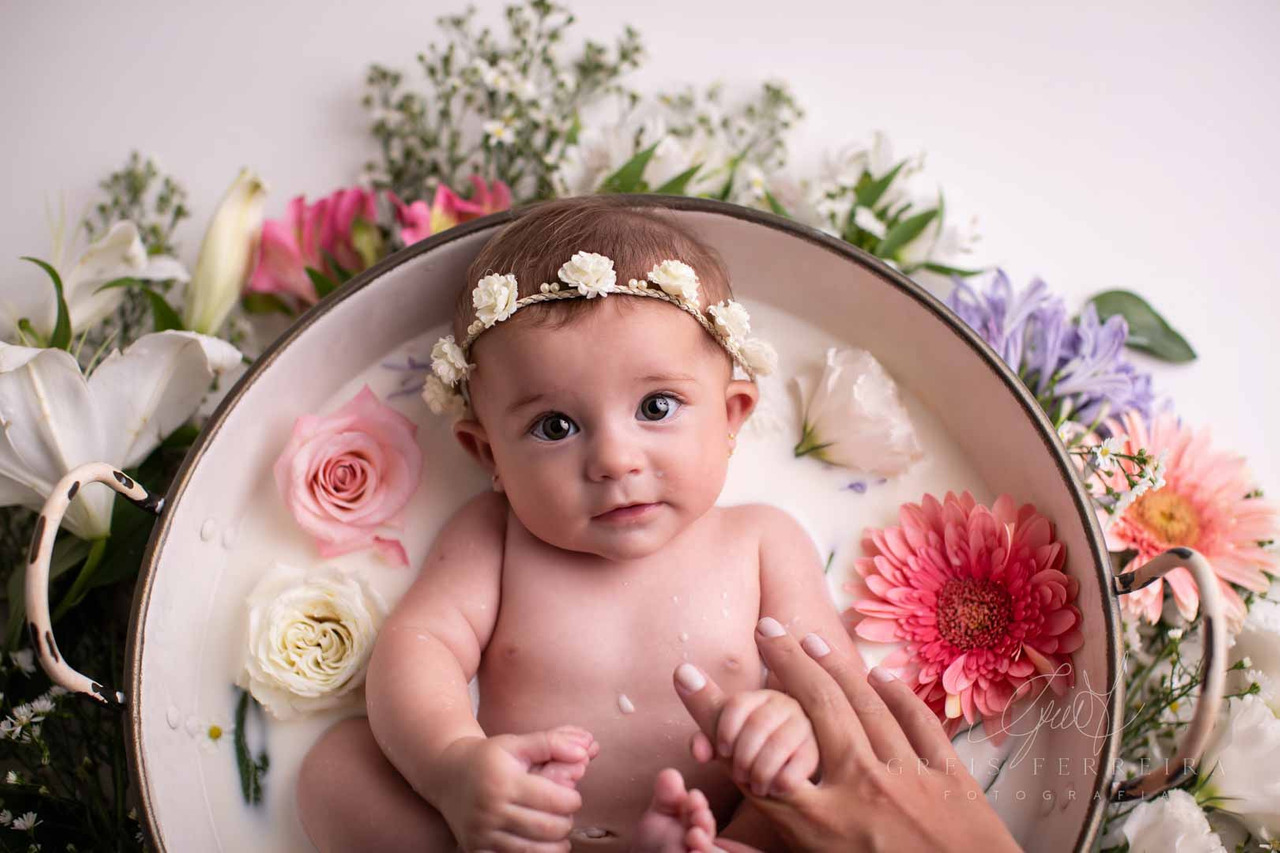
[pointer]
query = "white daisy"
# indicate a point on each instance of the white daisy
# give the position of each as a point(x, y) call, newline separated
point(26, 822)
point(499, 132)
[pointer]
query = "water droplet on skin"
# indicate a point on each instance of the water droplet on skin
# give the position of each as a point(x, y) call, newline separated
point(725, 611)
point(624, 704)
point(173, 717)
point(684, 638)
point(208, 529)
point(659, 474)
point(724, 595)
point(675, 599)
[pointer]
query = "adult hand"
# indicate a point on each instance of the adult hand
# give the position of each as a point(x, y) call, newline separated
point(890, 777)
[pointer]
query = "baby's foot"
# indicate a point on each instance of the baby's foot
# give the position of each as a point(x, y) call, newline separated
point(677, 821)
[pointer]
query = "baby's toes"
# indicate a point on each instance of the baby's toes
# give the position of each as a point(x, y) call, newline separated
point(699, 821)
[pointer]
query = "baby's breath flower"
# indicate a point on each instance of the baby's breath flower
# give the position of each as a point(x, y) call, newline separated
point(499, 132)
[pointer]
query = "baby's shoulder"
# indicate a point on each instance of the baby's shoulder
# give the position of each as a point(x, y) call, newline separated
point(763, 521)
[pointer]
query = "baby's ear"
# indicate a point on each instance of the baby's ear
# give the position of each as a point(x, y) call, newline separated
point(740, 398)
point(471, 435)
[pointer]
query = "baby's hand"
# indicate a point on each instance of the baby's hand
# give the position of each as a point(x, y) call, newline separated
point(497, 803)
point(568, 773)
point(769, 740)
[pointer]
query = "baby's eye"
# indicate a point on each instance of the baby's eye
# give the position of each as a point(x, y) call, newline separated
point(553, 427)
point(658, 407)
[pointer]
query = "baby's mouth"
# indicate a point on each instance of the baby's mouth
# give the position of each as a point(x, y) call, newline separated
point(627, 512)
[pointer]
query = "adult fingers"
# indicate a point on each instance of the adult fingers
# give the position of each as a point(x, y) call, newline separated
point(921, 725)
point(882, 730)
point(545, 795)
point(837, 729)
point(536, 825)
point(702, 697)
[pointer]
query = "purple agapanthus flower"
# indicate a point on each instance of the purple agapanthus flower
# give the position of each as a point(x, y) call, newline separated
point(1077, 370)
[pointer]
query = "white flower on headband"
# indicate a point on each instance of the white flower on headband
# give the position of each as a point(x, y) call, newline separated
point(494, 298)
point(759, 356)
point(676, 278)
point(448, 362)
point(732, 319)
point(592, 274)
point(441, 399)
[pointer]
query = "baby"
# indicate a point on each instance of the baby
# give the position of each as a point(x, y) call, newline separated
point(605, 410)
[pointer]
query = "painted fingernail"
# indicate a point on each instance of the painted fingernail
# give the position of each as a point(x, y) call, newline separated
point(815, 646)
point(770, 627)
point(881, 675)
point(688, 677)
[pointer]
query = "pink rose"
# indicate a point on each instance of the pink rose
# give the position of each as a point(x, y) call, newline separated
point(344, 475)
point(302, 237)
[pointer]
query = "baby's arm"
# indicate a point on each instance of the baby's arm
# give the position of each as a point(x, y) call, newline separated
point(760, 726)
point(420, 708)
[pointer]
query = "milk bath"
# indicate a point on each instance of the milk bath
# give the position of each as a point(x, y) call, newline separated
point(833, 504)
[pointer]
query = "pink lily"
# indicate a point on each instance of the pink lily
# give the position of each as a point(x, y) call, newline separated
point(418, 221)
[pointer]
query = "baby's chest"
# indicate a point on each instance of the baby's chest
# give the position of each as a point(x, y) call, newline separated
point(598, 631)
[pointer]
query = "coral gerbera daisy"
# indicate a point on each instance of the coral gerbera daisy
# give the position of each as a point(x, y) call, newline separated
point(1205, 504)
point(979, 599)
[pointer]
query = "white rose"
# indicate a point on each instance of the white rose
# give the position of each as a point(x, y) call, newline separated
point(854, 417)
point(447, 361)
point(1240, 763)
point(1259, 640)
point(592, 274)
point(761, 357)
point(676, 278)
point(309, 639)
point(732, 319)
point(1171, 822)
point(442, 399)
point(494, 298)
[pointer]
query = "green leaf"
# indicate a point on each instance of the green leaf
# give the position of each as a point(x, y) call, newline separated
point(121, 282)
point(323, 284)
point(629, 177)
point(868, 193)
point(942, 269)
point(265, 303)
point(904, 232)
point(1148, 331)
point(163, 315)
point(342, 275)
point(61, 338)
point(723, 193)
point(251, 771)
point(775, 206)
point(676, 186)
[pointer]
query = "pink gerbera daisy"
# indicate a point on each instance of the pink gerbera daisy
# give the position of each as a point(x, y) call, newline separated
point(979, 600)
point(1203, 505)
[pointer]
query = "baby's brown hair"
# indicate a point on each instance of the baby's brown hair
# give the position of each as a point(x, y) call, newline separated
point(544, 236)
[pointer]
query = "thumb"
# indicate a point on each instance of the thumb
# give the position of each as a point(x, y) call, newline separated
point(702, 697)
point(560, 744)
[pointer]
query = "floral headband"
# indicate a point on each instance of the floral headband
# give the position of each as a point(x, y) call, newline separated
point(589, 275)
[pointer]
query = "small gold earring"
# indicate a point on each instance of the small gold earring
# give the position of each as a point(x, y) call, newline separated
point(496, 486)
point(732, 437)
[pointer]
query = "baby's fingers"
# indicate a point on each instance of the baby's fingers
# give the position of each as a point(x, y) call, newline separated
point(536, 825)
point(798, 770)
point(759, 727)
point(506, 842)
point(544, 795)
point(782, 746)
point(737, 711)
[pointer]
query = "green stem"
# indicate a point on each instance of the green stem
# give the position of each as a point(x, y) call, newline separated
point(81, 584)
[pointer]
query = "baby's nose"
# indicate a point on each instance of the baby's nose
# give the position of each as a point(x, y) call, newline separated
point(613, 456)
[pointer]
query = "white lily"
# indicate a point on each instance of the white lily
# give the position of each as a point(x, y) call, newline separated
point(117, 254)
point(1171, 822)
point(226, 255)
point(855, 419)
point(54, 420)
point(1241, 764)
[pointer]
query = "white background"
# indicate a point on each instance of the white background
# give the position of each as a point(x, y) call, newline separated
point(1100, 145)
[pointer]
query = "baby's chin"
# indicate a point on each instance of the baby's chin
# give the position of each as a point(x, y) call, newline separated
point(621, 542)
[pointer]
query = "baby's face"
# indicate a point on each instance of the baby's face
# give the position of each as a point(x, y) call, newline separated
point(627, 405)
